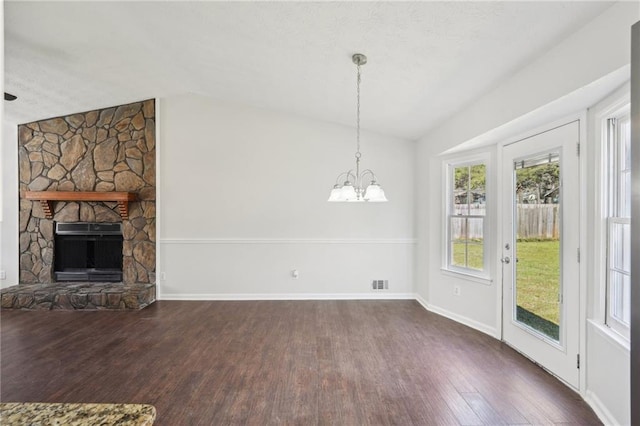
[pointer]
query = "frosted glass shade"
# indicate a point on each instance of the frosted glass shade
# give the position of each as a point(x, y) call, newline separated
point(349, 193)
point(336, 194)
point(375, 194)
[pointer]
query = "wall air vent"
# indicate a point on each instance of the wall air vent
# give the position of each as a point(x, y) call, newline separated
point(380, 284)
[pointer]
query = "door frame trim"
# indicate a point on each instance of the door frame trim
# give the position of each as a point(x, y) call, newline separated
point(581, 117)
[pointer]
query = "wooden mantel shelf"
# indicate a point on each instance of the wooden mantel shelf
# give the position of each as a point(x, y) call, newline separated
point(47, 198)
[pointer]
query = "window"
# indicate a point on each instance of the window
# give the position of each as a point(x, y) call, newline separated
point(618, 271)
point(466, 218)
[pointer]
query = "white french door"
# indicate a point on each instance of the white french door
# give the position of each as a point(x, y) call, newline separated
point(540, 249)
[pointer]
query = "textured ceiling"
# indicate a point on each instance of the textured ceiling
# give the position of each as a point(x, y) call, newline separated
point(426, 59)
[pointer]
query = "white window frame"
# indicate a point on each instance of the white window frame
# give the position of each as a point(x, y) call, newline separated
point(449, 165)
point(597, 271)
point(613, 217)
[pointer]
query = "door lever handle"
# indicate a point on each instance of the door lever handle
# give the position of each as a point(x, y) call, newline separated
point(505, 260)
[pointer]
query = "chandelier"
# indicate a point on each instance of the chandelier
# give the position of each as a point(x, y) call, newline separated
point(353, 188)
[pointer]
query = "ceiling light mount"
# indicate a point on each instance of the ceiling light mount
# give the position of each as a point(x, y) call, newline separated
point(352, 189)
point(359, 59)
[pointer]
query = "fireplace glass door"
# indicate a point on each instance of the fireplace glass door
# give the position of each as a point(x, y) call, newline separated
point(88, 252)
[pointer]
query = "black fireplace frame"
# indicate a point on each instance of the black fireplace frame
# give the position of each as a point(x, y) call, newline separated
point(87, 251)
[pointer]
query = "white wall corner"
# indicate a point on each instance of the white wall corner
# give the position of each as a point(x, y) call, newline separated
point(601, 409)
point(484, 328)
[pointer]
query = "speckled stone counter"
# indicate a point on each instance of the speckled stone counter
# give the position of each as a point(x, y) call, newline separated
point(50, 414)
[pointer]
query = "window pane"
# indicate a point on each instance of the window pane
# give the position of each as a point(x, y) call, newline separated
point(625, 143)
point(462, 208)
point(620, 248)
point(461, 190)
point(475, 248)
point(475, 231)
point(616, 247)
point(478, 189)
point(626, 247)
point(458, 228)
point(459, 253)
point(475, 256)
point(620, 295)
point(624, 195)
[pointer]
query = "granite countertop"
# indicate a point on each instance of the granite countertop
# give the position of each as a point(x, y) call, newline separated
point(46, 414)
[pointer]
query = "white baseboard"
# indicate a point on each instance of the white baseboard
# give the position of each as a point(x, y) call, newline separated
point(287, 296)
point(600, 409)
point(491, 331)
point(183, 241)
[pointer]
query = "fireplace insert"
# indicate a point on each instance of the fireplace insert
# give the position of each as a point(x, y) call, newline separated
point(88, 252)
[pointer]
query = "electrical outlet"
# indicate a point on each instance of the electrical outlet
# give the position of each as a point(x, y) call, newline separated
point(456, 290)
point(163, 276)
point(3, 275)
point(295, 274)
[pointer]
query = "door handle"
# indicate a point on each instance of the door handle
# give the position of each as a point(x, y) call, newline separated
point(505, 260)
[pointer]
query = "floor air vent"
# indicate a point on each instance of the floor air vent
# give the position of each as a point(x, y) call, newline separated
point(380, 284)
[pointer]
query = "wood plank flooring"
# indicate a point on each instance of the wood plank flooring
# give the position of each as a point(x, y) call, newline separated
point(281, 363)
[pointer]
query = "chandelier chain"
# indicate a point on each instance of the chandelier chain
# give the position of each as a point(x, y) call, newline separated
point(358, 155)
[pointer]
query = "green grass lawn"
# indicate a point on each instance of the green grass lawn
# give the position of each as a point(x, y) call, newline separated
point(538, 279)
point(474, 254)
point(538, 282)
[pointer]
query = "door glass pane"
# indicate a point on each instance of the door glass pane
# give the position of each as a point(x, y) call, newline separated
point(537, 263)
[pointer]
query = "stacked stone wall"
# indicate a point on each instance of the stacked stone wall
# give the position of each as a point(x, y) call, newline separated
point(111, 149)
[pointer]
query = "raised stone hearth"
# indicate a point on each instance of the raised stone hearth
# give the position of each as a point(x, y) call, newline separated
point(80, 296)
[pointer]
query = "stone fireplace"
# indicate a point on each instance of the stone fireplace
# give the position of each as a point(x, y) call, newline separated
point(111, 149)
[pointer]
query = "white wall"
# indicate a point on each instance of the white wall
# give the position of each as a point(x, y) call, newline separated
point(9, 221)
point(476, 304)
point(597, 50)
point(608, 387)
point(244, 202)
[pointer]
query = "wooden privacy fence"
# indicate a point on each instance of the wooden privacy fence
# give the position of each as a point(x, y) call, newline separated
point(538, 221)
point(534, 221)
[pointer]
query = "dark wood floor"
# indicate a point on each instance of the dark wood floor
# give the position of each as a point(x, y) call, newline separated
point(281, 362)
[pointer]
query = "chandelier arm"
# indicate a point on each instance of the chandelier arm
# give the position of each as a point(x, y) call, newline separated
point(338, 182)
point(347, 174)
point(368, 172)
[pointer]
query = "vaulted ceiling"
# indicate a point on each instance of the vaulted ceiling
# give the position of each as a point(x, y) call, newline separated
point(427, 60)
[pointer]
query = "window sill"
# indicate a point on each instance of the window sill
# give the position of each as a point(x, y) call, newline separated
point(610, 335)
point(482, 279)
